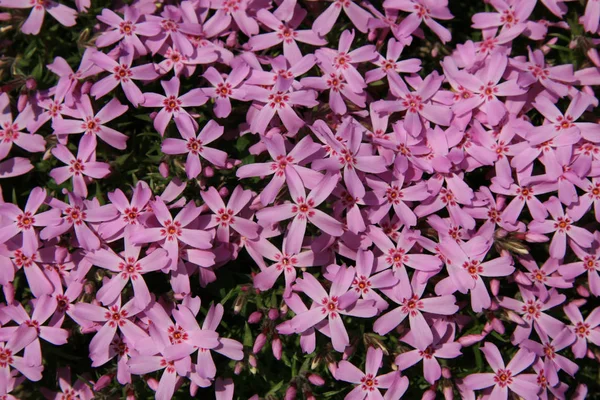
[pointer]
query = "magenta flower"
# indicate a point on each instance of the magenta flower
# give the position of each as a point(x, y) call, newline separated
point(93, 124)
point(562, 224)
point(126, 29)
point(303, 209)
point(223, 90)
point(391, 63)
point(226, 216)
point(24, 221)
point(172, 230)
point(544, 277)
point(23, 336)
point(466, 270)
point(226, 14)
point(589, 261)
point(122, 73)
point(195, 145)
point(584, 330)
point(172, 31)
point(10, 131)
point(556, 79)
point(64, 15)
point(590, 198)
point(504, 378)
point(279, 100)
point(329, 305)
point(43, 309)
point(413, 305)
point(172, 103)
point(357, 15)
point(509, 15)
point(286, 262)
point(343, 60)
point(284, 167)
point(532, 310)
point(548, 352)
point(81, 167)
point(366, 280)
point(68, 79)
point(128, 268)
point(284, 31)
point(422, 11)
point(111, 319)
point(80, 389)
point(12, 258)
point(130, 211)
point(443, 346)
point(368, 382)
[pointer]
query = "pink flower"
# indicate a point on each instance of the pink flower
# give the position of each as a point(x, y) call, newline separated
point(548, 352)
point(24, 221)
point(584, 330)
point(172, 103)
point(504, 378)
point(22, 337)
point(122, 73)
point(330, 306)
point(357, 15)
point(126, 29)
point(303, 209)
point(130, 212)
point(224, 90)
point(64, 15)
point(589, 261)
point(422, 11)
point(195, 145)
point(128, 268)
point(413, 305)
point(369, 382)
point(93, 124)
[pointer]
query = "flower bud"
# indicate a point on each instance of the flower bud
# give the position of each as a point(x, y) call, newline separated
point(223, 192)
point(446, 373)
point(521, 279)
point(316, 380)
point(152, 383)
point(514, 317)
point(163, 169)
point(428, 395)
point(86, 86)
point(208, 172)
point(469, 340)
point(580, 392)
point(252, 361)
point(255, 317)
point(30, 84)
point(260, 341)
point(131, 394)
point(582, 291)
point(276, 347)
point(536, 237)
point(273, 314)
point(103, 382)
point(239, 367)
point(22, 102)
point(579, 302)
point(495, 286)
point(448, 392)
point(290, 393)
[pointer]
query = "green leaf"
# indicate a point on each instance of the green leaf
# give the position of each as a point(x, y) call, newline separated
point(275, 388)
point(248, 340)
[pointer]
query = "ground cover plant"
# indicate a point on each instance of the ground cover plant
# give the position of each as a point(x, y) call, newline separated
point(295, 199)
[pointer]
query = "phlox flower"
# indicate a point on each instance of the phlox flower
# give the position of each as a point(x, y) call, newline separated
point(443, 346)
point(122, 73)
point(24, 222)
point(173, 29)
point(80, 390)
point(412, 304)
point(81, 167)
point(227, 14)
point(128, 268)
point(330, 306)
point(589, 261)
point(548, 350)
point(223, 90)
point(422, 11)
point(172, 104)
point(556, 79)
point(126, 29)
point(13, 257)
point(368, 382)
point(544, 277)
point(327, 19)
point(64, 15)
point(585, 330)
point(195, 145)
point(23, 336)
point(505, 378)
point(284, 166)
point(171, 230)
point(92, 124)
point(130, 212)
point(10, 130)
point(303, 209)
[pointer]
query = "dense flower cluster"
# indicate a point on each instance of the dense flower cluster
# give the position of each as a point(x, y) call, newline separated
point(433, 209)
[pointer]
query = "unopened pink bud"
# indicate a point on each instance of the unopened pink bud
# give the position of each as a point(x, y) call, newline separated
point(582, 291)
point(332, 367)
point(252, 361)
point(163, 169)
point(223, 192)
point(86, 86)
point(130, 395)
point(514, 317)
point(30, 84)
point(428, 395)
point(316, 380)
point(255, 317)
point(579, 302)
point(103, 382)
point(208, 172)
point(5, 16)
point(239, 367)
point(446, 373)
point(290, 393)
point(469, 340)
point(495, 286)
point(535, 237)
point(521, 278)
point(580, 393)
point(448, 392)
point(259, 343)
point(22, 102)
point(273, 314)
point(276, 347)
point(152, 383)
